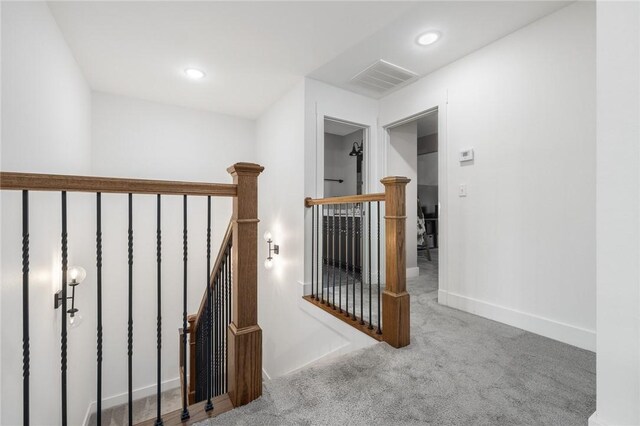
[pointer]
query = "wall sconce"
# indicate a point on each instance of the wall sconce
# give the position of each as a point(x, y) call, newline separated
point(275, 250)
point(356, 149)
point(76, 275)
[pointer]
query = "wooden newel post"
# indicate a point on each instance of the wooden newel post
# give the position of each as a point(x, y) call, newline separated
point(244, 334)
point(395, 299)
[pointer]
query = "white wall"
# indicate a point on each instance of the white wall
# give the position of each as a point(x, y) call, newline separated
point(46, 117)
point(618, 210)
point(402, 160)
point(295, 332)
point(135, 138)
point(521, 245)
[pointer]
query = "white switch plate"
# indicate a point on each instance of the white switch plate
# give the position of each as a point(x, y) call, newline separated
point(466, 155)
point(462, 190)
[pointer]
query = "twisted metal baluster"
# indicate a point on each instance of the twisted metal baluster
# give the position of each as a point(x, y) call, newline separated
point(185, 411)
point(130, 312)
point(63, 334)
point(159, 317)
point(318, 265)
point(99, 306)
point(25, 308)
point(209, 405)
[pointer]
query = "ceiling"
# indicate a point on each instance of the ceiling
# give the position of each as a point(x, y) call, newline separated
point(339, 128)
point(254, 52)
point(465, 27)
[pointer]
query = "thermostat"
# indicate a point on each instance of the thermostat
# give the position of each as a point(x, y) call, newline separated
point(466, 155)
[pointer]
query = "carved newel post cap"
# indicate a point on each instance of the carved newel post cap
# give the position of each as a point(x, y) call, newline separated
point(245, 169)
point(395, 180)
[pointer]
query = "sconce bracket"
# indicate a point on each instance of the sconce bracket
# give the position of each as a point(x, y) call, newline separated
point(276, 249)
point(57, 299)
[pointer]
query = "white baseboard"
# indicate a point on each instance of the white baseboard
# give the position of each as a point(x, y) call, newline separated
point(595, 421)
point(566, 333)
point(413, 272)
point(123, 398)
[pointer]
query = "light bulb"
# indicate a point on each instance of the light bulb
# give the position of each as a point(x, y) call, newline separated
point(77, 274)
point(268, 264)
point(194, 74)
point(428, 38)
point(267, 236)
point(75, 320)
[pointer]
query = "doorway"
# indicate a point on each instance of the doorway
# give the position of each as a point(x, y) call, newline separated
point(344, 158)
point(412, 151)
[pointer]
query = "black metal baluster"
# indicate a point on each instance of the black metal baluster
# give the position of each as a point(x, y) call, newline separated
point(219, 328)
point(353, 257)
point(215, 336)
point(361, 265)
point(333, 254)
point(313, 246)
point(209, 405)
point(99, 305)
point(347, 264)
point(369, 261)
point(227, 321)
point(222, 320)
point(185, 411)
point(340, 258)
point(325, 263)
point(26, 368)
point(130, 322)
point(159, 317)
point(318, 265)
point(379, 331)
point(63, 334)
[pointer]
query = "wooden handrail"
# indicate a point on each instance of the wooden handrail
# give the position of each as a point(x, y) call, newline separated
point(308, 202)
point(46, 182)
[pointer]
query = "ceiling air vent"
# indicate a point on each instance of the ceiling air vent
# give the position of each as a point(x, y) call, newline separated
point(382, 77)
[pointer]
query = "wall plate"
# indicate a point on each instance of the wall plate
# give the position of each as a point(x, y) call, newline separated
point(466, 155)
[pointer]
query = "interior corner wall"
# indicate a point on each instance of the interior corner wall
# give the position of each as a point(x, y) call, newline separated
point(46, 122)
point(521, 246)
point(618, 212)
point(295, 333)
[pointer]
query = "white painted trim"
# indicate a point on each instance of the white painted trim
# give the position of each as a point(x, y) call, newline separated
point(122, 398)
point(556, 330)
point(413, 272)
point(265, 375)
point(595, 421)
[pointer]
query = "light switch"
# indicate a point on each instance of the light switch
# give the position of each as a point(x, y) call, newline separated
point(462, 191)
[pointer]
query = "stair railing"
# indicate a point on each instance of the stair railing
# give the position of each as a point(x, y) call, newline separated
point(236, 328)
point(346, 264)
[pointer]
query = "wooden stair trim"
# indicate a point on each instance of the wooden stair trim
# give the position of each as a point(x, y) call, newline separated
point(221, 404)
point(355, 323)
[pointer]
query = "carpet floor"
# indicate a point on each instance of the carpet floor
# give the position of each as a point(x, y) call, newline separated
point(460, 369)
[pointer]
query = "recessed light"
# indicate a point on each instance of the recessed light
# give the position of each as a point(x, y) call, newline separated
point(194, 74)
point(428, 38)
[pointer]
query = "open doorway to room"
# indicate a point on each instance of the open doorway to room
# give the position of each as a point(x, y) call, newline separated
point(343, 158)
point(412, 151)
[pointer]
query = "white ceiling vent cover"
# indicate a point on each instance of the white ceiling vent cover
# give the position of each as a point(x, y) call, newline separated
point(382, 76)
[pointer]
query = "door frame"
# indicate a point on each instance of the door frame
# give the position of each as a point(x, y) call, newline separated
point(443, 201)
